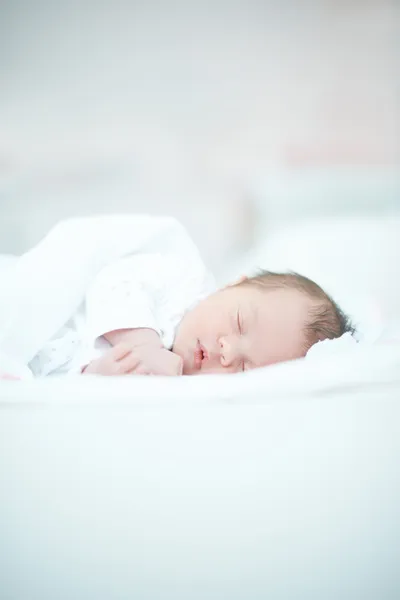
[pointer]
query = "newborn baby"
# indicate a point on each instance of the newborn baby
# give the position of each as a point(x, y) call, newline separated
point(258, 321)
point(140, 301)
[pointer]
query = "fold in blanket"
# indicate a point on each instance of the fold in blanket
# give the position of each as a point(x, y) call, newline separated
point(45, 286)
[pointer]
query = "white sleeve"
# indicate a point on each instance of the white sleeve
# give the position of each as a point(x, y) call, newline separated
point(122, 296)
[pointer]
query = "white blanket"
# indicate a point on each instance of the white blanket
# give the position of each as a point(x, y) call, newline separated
point(135, 488)
point(42, 288)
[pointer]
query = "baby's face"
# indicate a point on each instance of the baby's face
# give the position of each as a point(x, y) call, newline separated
point(242, 327)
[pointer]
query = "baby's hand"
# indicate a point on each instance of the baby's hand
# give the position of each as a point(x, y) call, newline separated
point(125, 360)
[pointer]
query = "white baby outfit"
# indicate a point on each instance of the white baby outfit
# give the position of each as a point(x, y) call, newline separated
point(151, 291)
point(149, 283)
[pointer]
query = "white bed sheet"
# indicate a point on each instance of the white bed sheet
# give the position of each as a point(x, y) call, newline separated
point(281, 484)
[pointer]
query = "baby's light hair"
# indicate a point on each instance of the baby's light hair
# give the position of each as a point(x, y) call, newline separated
point(325, 320)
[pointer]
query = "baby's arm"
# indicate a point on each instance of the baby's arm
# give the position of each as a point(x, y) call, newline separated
point(143, 336)
point(120, 308)
point(135, 351)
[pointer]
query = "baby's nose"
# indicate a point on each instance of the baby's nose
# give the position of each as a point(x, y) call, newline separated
point(227, 351)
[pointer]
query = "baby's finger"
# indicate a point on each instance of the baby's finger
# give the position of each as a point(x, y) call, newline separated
point(129, 363)
point(120, 351)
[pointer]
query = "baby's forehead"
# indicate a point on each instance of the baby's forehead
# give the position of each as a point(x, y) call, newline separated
point(276, 296)
point(281, 308)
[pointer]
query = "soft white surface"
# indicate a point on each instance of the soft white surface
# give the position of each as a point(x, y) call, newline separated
point(280, 484)
point(6, 260)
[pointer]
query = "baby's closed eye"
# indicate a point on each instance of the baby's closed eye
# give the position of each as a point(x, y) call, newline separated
point(239, 322)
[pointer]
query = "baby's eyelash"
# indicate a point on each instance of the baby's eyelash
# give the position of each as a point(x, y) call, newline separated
point(239, 323)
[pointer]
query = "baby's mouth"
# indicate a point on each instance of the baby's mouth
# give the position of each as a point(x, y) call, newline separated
point(200, 354)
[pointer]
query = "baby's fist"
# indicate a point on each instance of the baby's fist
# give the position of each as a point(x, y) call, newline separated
point(152, 361)
point(125, 360)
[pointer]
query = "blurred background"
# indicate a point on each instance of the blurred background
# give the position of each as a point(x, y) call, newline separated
point(239, 117)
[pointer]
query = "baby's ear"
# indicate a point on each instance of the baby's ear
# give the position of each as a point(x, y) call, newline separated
point(241, 279)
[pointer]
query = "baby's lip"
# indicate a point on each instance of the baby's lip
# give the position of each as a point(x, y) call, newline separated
point(204, 351)
point(200, 354)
